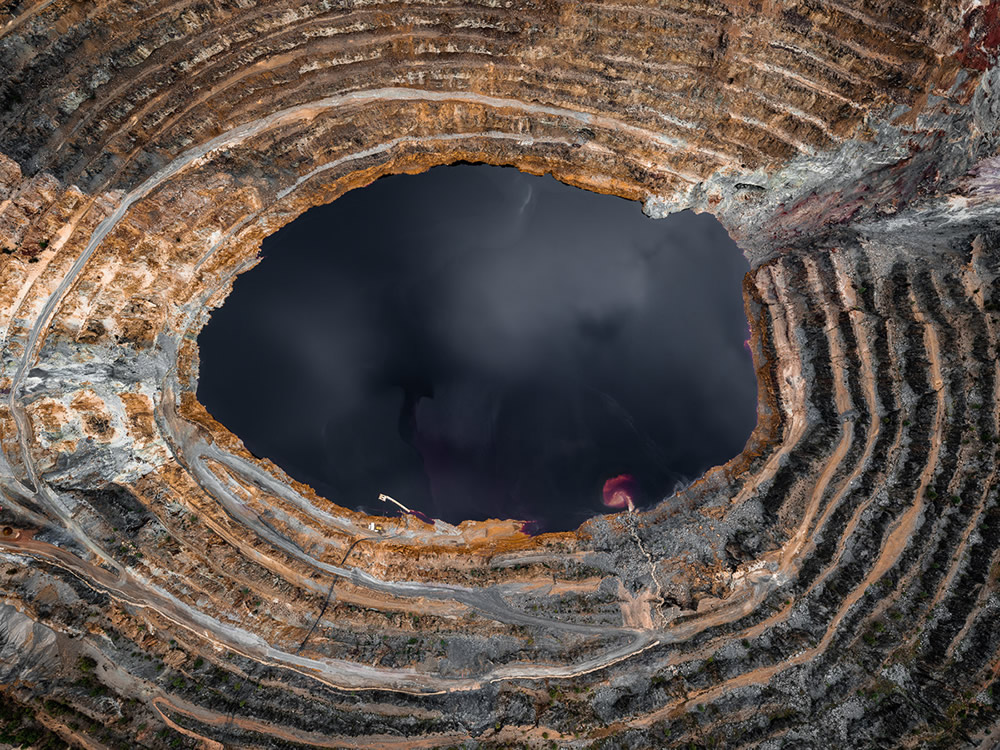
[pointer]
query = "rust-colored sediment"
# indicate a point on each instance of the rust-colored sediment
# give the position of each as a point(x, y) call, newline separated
point(834, 585)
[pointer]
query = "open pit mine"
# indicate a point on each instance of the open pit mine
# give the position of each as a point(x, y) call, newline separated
point(833, 586)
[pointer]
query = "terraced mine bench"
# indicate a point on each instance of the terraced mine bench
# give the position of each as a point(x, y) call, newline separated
point(835, 585)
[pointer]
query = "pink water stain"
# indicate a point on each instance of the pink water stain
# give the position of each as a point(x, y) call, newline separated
point(620, 491)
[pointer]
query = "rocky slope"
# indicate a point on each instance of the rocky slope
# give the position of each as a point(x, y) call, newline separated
point(834, 585)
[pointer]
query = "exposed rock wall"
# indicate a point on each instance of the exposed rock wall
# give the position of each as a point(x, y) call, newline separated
point(834, 585)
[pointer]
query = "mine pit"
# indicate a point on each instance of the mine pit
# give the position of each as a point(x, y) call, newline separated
point(165, 583)
point(475, 342)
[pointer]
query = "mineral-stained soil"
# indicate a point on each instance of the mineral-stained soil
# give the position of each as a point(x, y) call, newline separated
point(835, 585)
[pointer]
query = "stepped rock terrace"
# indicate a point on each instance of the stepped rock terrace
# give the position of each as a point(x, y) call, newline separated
point(836, 583)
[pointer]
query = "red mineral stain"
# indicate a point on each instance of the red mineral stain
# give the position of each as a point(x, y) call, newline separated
point(619, 492)
point(982, 37)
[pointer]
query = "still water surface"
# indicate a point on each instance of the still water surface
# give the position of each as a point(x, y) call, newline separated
point(477, 342)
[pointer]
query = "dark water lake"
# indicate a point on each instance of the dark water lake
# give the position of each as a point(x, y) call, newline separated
point(480, 343)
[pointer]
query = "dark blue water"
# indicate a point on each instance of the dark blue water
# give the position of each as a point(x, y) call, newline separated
point(477, 342)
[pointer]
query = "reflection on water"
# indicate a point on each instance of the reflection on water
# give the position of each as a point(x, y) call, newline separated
point(477, 342)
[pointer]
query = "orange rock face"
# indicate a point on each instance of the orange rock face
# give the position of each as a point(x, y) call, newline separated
point(833, 586)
